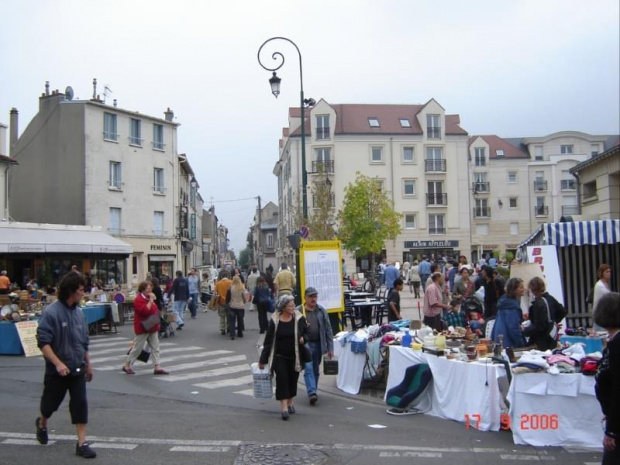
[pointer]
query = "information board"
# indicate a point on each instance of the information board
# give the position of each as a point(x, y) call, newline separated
point(27, 331)
point(320, 263)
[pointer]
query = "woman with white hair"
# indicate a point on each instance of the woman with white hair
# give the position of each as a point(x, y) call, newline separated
point(284, 349)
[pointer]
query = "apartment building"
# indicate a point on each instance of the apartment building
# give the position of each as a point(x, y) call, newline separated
point(265, 234)
point(417, 154)
point(85, 162)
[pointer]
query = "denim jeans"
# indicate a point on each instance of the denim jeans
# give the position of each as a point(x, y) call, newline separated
point(193, 305)
point(178, 306)
point(311, 369)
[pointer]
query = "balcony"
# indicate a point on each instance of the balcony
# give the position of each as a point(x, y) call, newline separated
point(541, 210)
point(481, 187)
point(115, 185)
point(437, 230)
point(540, 185)
point(482, 212)
point(322, 166)
point(433, 133)
point(436, 199)
point(568, 185)
point(158, 145)
point(568, 210)
point(159, 190)
point(435, 166)
point(322, 133)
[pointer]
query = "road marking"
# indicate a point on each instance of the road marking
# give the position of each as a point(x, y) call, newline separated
point(105, 445)
point(187, 365)
point(529, 458)
point(199, 449)
point(247, 392)
point(208, 373)
point(95, 360)
point(201, 364)
point(25, 442)
point(226, 382)
point(430, 455)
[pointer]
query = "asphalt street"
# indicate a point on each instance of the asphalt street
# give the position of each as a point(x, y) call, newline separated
point(204, 413)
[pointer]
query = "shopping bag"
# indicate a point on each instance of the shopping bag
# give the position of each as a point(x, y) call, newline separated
point(262, 384)
point(330, 366)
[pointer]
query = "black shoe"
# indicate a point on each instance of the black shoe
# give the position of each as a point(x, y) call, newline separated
point(232, 338)
point(285, 415)
point(313, 399)
point(223, 333)
point(291, 409)
point(85, 451)
point(41, 433)
point(239, 334)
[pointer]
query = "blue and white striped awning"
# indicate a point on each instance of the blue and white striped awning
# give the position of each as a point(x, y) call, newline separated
point(582, 233)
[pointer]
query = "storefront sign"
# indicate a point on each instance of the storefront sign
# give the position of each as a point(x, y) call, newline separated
point(26, 248)
point(430, 244)
point(161, 258)
point(111, 249)
point(160, 247)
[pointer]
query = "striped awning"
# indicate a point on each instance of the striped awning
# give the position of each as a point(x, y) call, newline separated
point(582, 233)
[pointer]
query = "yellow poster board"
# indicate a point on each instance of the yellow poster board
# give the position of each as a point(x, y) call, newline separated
point(321, 267)
point(27, 331)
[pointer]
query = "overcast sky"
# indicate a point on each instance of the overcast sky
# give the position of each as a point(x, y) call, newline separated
point(511, 68)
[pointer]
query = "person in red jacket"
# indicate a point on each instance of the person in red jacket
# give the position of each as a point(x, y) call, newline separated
point(146, 327)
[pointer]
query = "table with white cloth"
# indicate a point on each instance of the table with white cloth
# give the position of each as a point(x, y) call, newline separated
point(351, 365)
point(555, 410)
point(459, 390)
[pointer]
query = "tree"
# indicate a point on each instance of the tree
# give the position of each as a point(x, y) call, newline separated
point(322, 216)
point(367, 218)
point(245, 257)
point(249, 245)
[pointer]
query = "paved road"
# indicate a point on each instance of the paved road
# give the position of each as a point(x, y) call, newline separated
point(204, 413)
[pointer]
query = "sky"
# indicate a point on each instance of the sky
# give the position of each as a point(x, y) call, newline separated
point(512, 68)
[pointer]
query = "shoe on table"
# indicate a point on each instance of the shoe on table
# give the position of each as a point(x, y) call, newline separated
point(85, 451)
point(41, 432)
point(313, 399)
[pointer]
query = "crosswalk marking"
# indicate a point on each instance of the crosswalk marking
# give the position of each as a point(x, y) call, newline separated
point(246, 392)
point(211, 353)
point(95, 360)
point(24, 442)
point(199, 449)
point(207, 374)
point(105, 445)
point(204, 363)
point(226, 382)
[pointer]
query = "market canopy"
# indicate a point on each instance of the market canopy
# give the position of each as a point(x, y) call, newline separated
point(575, 233)
point(58, 239)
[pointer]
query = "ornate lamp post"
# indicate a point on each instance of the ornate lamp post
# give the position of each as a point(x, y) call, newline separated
point(274, 82)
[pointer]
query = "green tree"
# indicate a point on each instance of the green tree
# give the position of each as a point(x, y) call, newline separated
point(245, 257)
point(322, 217)
point(367, 218)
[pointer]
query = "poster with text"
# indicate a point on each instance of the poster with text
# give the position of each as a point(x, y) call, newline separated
point(27, 331)
point(321, 268)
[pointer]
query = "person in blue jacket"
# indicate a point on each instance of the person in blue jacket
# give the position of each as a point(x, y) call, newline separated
point(509, 315)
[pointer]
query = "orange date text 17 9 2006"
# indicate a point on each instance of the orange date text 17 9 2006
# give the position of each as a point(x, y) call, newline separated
point(541, 421)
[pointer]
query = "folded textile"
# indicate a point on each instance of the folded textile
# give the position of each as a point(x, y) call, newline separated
point(535, 358)
point(519, 370)
point(566, 368)
point(553, 359)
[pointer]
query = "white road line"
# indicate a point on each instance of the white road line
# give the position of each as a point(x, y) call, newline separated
point(247, 392)
point(24, 442)
point(105, 445)
point(95, 360)
point(121, 347)
point(429, 455)
point(199, 449)
point(207, 374)
point(194, 365)
point(226, 382)
point(529, 458)
point(179, 367)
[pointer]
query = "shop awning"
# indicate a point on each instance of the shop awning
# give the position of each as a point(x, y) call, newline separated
point(576, 233)
point(55, 239)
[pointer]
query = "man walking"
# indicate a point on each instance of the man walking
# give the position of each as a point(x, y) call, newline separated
point(284, 281)
point(62, 336)
point(425, 271)
point(193, 283)
point(221, 289)
point(433, 303)
point(391, 275)
point(180, 290)
point(321, 340)
point(394, 301)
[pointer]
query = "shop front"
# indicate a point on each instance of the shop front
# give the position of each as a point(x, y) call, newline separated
point(436, 250)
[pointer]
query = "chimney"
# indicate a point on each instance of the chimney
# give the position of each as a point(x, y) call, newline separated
point(169, 114)
point(14, 131)
point(47, 88)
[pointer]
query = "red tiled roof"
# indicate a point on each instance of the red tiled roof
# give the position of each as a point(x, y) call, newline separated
point(7, 159)
point(495, 143)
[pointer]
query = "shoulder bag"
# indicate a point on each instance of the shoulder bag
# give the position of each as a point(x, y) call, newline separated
point(554, 329)
point(150, 322)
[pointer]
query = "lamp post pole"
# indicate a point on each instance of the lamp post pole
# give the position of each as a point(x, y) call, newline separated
point(275, 89)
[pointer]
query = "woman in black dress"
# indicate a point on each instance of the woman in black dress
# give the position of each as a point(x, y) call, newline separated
point(284, 349)
point(607, 315)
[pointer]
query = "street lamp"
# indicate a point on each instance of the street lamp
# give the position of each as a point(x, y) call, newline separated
point(274, 83)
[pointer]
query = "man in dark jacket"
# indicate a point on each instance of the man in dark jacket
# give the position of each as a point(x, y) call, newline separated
point(62, 336)
point(180, 290)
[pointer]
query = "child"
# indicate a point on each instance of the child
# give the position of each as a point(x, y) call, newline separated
point(455, 317)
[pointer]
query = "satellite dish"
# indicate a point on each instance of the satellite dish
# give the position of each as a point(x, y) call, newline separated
point(69, 93)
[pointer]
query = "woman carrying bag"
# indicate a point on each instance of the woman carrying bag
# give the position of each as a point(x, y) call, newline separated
point(285, 351)
point(146, 327)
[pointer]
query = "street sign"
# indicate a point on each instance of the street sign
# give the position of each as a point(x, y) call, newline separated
point(304, 232)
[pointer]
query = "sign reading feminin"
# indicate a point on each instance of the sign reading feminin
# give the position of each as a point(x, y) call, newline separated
point(430, 244)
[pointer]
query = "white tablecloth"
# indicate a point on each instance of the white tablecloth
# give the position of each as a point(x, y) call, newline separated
point(350, 368)
point(458, 388)
point(569, 396)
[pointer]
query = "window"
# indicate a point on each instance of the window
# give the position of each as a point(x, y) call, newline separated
point(435, 194)
point(323, 154)
point(379, 184)
point(436, 224)
point(567, 149)
point(404, 123)
point(514, 229)
point(135, 132)
point(512, 202)
point(409, 187)
point(109, 127)
point(115, 180)
point(539, 181)
point(538, 153)
point(512, 177)
point(323, 163)
point(192, 195)
point(376, 155)
point(480, 159)
point(114, 227)
point(322, 127)
point(482, 229)
point(408, 155)
point(433, 127)
point(434, 160)
point(373, 122)
point(499, 153)
point(480, 182)
point(158, 181)
point(568, 182)
point(594, 149)
point(410, 221)
point(158, 136)
point(158, 223)
point(192, 226)
point(589, 190)
point(541, 209)
point(270, 241)
point(481, 209)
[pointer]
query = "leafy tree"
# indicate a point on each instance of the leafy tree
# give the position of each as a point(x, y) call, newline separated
point(321, 216)
point(367, 218)
point(245, 257)
point(249, 245)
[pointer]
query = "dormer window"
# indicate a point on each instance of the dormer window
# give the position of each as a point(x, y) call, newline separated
point(373, 122)
point(404, 123)
point(499, 153)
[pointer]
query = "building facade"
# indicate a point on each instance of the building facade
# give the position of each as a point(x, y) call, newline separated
point(6, 163)
point(265, 234)
point(84, 162)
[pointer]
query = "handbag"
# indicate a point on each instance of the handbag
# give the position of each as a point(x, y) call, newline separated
point(304, 353)
point(554, 329)
point(144, 355)
point(213, 302)
point(330, 366)
point(150, 322)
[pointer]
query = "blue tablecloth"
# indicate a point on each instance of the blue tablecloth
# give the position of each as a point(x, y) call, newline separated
point(9, 339)
point(95, 313)
point(593, 344)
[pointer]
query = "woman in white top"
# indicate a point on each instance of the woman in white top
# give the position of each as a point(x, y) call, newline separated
point(413, 278)
point(601, 288)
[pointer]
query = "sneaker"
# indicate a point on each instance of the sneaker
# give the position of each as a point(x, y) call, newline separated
point(85, 451)
point(41, 433)
point(180, 327)
point(313, 399)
